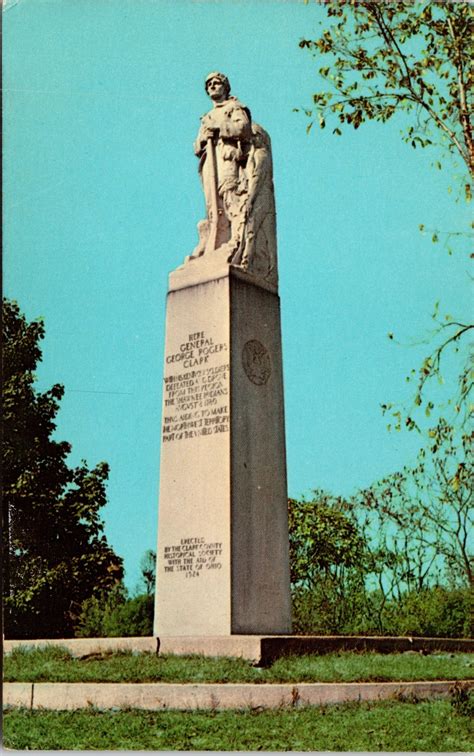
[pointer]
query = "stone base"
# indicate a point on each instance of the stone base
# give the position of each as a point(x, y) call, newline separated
point(222, 556)
point(82, 647)
point(266, 649)
point(212, 696)
point(255, 648)
point(211, 268)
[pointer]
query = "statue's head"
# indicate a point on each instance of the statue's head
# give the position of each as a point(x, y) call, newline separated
point(213, 80)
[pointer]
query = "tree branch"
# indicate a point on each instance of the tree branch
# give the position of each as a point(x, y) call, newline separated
point(463, 108)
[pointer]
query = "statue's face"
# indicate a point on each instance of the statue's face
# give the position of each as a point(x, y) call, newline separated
point(216, 89)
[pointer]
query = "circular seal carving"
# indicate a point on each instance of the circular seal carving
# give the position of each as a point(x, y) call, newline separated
point(256, 362)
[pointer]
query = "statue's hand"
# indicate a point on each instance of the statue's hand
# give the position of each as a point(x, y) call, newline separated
point(249, 206)
point(209, 133)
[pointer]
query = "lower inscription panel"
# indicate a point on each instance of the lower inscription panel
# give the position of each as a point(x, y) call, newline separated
point(192, 557)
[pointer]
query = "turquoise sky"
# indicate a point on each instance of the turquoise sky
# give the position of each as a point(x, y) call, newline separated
point(102, 104)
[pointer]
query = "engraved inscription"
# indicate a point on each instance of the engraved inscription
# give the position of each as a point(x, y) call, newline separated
point(196, 401)
point(256, 362)
point(192, 557)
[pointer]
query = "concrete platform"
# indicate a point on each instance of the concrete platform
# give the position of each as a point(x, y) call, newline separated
point(255, 648)
point(81, 647)
point(185, 697)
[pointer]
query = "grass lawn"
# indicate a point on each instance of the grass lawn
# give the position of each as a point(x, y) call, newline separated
point(57, 665)
point(386, 726)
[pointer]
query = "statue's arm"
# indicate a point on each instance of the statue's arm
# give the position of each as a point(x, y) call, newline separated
point(201, 139)
point(237, 123)
point(207, 129)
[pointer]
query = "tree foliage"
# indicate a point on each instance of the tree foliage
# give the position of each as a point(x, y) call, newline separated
point(411, 59)
point(148, 572)
point(55, 553)
point(324, 540)
point(394, 57)
point(449, 337)
point(326, 563)
point(395, 558)
point(419, 521)
point(119, 614)
point(116, 615)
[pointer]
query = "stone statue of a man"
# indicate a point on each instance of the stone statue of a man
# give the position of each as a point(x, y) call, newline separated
point(235, 163)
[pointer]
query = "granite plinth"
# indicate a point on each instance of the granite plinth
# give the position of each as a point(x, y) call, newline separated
point(266, 649)
point(222, 558)
point(83, 647)
point(255, 648)
point(210, 268)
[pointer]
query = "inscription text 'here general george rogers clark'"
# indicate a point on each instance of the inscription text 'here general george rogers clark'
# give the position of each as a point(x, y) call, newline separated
point(196, 401)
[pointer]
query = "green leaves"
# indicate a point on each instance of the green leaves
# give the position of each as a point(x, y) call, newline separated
point(323, 538)
point(400, 57)
point(55, 553)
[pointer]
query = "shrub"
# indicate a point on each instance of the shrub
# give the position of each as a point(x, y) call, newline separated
point(115, 616)
point(434, 612)
point(437, 612)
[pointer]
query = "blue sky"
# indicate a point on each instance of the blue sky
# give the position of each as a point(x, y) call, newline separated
point(102, 104)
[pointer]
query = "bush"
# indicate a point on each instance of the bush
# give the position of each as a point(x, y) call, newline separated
point(116, 616)
point(334, 606)
point(134, 617)
point(437, 612)
point(434, 612)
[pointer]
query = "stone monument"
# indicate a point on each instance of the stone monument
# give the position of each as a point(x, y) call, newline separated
point(222, 558)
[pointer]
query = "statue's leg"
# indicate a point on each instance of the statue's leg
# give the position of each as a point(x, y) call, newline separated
point(203, 231)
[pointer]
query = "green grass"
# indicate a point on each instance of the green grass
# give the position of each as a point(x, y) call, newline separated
point(386, 726)
point(57, 665)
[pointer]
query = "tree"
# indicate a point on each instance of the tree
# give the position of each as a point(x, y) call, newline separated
point(55, 553)
point(323, 538)
point(423, 516)
point(418, 523)
point(380, 562)
point(411, 59)
point(148, 572)
point(327, 567)
point(392, 57)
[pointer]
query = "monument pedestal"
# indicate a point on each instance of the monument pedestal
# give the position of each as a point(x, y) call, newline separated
point(222, 559)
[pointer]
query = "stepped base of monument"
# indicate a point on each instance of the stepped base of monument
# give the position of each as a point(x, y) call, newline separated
point(263, 649)
point(259, 649)
point(213, 696)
